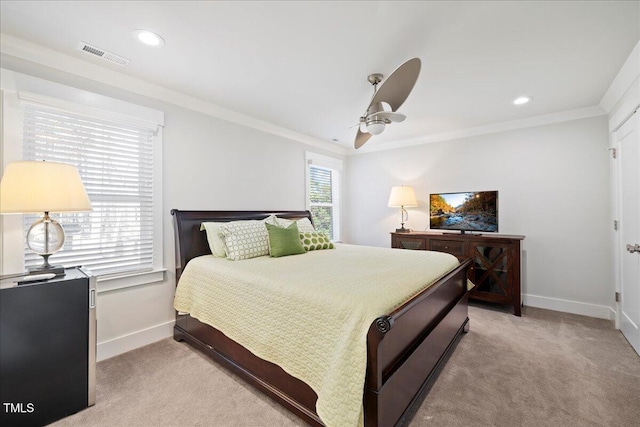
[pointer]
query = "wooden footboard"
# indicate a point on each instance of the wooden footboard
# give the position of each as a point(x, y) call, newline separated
point(404, 349)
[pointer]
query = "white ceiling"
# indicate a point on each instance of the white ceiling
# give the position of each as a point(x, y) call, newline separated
point(303, 65)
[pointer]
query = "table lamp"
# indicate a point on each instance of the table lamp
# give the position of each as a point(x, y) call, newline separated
point(41, 186)
point(401, 197)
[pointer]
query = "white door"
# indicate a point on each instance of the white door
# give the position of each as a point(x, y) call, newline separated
point(628, 138)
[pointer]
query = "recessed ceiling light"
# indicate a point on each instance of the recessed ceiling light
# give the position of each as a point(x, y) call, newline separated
point(149, 38)
point(522, 100)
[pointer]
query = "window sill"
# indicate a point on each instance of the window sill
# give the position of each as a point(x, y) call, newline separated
point(112, 283)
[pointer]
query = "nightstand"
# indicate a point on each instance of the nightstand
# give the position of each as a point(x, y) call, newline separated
point(47, 348)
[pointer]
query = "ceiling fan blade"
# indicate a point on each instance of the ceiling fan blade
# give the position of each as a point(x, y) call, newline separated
point(361, 138)
point(360, 122)
point(388, 115)
point(397, 87)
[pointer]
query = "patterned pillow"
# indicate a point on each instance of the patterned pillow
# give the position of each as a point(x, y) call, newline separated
point(245, 239)
point(304, 225)
point(313, 241)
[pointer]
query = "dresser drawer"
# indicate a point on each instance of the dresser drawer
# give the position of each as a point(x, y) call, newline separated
point(415, 243)
point(453, 247)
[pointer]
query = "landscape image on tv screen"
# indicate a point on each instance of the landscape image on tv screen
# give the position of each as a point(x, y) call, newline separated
point(476, 211)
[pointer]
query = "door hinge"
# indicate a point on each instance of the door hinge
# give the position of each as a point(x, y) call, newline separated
point(615, 225)
point(614, 153)
point(617, 296)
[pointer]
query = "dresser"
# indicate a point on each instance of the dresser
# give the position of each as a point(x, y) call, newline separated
point(47, 348)
point(496, 268)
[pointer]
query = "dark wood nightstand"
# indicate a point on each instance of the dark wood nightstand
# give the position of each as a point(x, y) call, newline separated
point(496, 261)
point(47, 348)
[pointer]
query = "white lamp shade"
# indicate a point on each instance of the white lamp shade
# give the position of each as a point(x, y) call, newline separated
point(31, 186)
point(402, 196)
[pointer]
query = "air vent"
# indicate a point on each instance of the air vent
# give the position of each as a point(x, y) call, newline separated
point(101, 53)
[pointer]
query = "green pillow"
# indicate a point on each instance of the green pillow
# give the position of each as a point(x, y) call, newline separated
point(284, 241)
point(315, 241)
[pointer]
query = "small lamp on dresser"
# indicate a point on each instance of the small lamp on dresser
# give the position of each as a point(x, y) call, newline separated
point(401, 197)
point(39, 186)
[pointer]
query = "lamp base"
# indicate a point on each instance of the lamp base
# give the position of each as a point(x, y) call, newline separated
point(403, 230)
point(58, 270)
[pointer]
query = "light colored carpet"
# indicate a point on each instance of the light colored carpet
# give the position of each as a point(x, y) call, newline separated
point(543, 369)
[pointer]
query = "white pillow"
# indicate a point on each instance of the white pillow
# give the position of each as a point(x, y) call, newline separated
point(215, 238)
point(272, 219)
point(304, 225)
point(245, 239)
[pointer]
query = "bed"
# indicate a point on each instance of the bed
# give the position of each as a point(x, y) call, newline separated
point(404, 348)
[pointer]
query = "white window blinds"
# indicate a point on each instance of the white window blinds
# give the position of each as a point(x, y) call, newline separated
point(115, 162)
point(323, 193)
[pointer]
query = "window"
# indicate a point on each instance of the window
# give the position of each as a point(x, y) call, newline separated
point(323, 193)
point(115, 157)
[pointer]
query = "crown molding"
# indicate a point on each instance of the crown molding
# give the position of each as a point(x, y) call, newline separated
point(26, 50)
point(564, 116)
point(23, 49)
point(629, 72)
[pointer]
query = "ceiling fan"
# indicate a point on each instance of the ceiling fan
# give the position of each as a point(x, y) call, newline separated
point(393, 92)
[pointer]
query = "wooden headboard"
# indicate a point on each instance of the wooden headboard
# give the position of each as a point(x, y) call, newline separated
point(190, 242)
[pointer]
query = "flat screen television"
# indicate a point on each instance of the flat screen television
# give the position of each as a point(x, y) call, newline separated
point(471, 211)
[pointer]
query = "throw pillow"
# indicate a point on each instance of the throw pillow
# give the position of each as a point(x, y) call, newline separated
point(304, 225)
point(315, 241)
point(272, 219)
point(284, 241)
point(215, 238)
point(245, 239)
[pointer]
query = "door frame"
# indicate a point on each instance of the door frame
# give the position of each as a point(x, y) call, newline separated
point(616, 177)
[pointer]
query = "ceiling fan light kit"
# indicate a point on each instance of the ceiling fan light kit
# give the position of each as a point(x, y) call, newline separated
point(393, 92)
point(375, 127)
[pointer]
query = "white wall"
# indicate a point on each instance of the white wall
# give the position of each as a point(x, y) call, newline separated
point(208, 164)
point(553, 184)
point(557, 171)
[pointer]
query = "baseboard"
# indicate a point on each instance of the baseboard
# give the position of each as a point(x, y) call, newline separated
point(568, 306)
point(116, 346)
